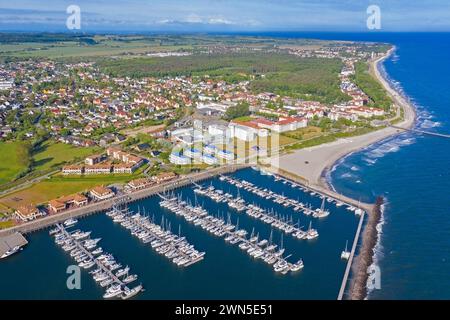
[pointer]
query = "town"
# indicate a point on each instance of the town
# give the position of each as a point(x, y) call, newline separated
point(147, 129)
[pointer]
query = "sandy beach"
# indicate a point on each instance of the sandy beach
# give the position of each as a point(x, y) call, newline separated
point(312, 163)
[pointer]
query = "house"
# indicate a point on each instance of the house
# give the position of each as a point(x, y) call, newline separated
point(73, 170)
point(28, 212)
point(100, 193)
point(63, 203)
point(142, 147)
point(139, 184)
point(56, 206)
point(165, 176)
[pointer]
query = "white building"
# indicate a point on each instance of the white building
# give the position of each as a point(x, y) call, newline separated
point(179, 159)
point(225, 154)
point(209, 159)
point(210, 149)
point(193, 153)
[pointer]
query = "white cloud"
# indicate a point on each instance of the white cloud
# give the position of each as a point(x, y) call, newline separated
point(220, 21)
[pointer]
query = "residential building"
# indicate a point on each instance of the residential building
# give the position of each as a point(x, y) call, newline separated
point(28, 212)
point(101, 168)
point(73, 170)
point(101, 193)
point(179, 159)
point(139, 184)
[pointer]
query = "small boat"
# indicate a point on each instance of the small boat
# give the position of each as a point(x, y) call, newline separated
point(129, 293)
point(113, 291)
point(297, 266)
point(345, 254)
point(10, 252)
point(70, 222)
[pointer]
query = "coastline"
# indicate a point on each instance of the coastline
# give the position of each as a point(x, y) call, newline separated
point(313, 163)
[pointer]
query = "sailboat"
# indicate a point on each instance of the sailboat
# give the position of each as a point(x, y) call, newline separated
point(321, 213)
point(345, 254)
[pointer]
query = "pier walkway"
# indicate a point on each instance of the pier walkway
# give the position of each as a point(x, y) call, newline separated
point(435, 134)
point(91, 256)
point(350, 260)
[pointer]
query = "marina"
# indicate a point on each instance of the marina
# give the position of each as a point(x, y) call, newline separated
point(228, 264)
point(108, 274)
point(263, 249)
point(295, 205)
point(159, 237)
point(280, 222)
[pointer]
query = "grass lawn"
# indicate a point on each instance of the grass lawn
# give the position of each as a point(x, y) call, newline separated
point(304, 133)
point(6, 224)
point(58, 186)
point(50, 155)
point(9, 164)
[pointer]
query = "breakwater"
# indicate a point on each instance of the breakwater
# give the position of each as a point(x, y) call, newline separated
point(358, 287)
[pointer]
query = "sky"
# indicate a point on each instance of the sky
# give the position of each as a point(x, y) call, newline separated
point(225, 15)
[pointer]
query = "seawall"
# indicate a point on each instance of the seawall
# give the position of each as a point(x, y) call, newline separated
point(358, 286)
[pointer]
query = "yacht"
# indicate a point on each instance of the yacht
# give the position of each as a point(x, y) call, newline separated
point(70, 222)
point(129, 293)
point(113, 291)
point(10, 252)
point(297, 266)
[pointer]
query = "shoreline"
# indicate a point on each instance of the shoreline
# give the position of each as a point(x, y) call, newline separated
point(318, 160)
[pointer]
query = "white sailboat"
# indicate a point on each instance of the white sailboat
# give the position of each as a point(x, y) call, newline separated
point(345, 254)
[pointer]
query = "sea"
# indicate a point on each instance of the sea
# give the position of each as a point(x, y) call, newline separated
point(411, 171)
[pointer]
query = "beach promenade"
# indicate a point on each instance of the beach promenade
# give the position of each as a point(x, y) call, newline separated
point(312, 163)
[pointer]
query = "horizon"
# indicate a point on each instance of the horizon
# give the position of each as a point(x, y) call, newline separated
point(139, 16)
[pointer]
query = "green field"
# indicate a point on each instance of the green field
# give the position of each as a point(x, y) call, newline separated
point(52, 155)
point(47, 157)
point(10, 164)
point(58, 186)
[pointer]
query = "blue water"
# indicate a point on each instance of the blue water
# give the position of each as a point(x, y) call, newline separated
point(411, 171)
point(225, 273)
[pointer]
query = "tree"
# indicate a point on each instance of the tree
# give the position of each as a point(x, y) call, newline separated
point(241, 110)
